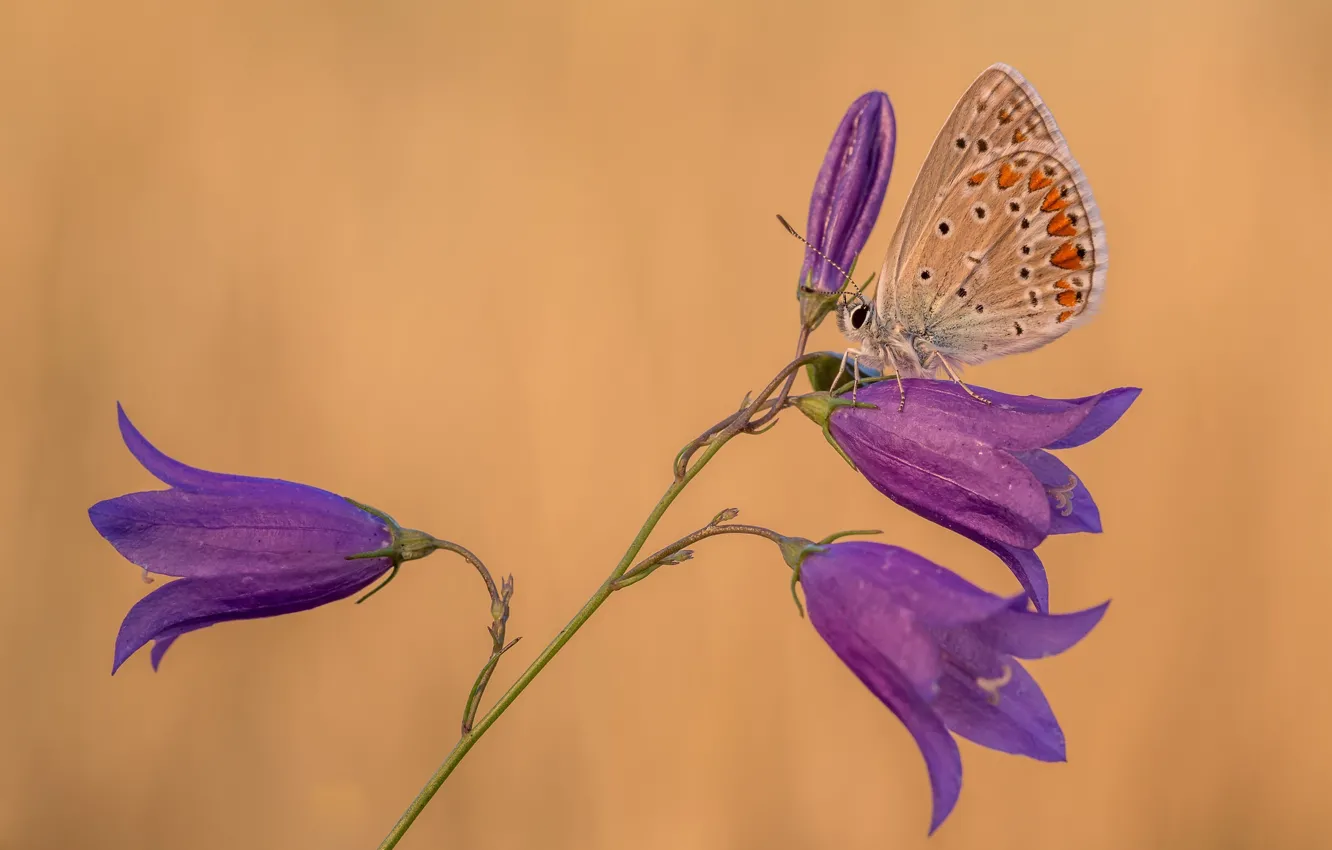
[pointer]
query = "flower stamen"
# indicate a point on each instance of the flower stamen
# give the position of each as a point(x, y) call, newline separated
point(992, 686)
point(1063, 496)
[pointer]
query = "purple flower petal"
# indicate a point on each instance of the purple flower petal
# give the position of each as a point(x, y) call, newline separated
point(856, 576)
point(947, 477)
point(171, 471)
point(887, 681)
point(1026, 567)
point(1013, 423)
point(1072, 509)
point(863, 178)
point(978, 469)
point(846, 605)
point(1025, 634)
point(244, 547)
point(189, 604)
point(184, 533)
point(192, 480)
point(155, 654)
point(849, 190)
point(1106, 410)
point(935, 649)
point(1014, 718)
point(987, 697)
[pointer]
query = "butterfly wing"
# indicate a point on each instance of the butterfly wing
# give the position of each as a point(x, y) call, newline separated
point(1001, 248)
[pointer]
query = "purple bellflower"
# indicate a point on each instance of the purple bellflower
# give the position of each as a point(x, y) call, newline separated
point(982, 470)
point(846, 200)
point(940, 653)
point(242, 547)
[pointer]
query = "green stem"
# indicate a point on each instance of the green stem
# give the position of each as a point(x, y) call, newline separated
point(483, 678)
point(499, 613)
point(710, 443)
point(756, 426)
point(497, 600)
point(651, 562)
point(469, 739)
point(742, 419)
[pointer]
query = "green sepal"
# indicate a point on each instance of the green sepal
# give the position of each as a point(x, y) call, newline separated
point(393, 573)
point(794, 550)
point(823, 371)
point(838, 535)
point(819, 407)
point(407, 544)
point(815, 305)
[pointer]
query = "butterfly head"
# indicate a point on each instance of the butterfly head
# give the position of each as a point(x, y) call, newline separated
point(856, 318)
point(881, 340)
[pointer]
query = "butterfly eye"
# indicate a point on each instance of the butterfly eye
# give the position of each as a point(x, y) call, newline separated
point(858, 316)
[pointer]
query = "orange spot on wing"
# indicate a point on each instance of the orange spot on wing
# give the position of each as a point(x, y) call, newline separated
point(1063, 284)
point(1065, 316)
point(977, 178)
point(1054, 200)
point(1038, 181)
point(1019, 137)
point(1067, 299)
point(1008, 175)
point(1060, 225)
point(1005, 115)
point(1066, 257)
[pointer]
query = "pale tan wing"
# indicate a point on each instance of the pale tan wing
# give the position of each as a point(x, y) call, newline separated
point(952, 155)
point(1002, 247)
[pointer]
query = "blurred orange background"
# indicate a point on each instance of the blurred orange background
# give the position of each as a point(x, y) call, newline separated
point(487, 267)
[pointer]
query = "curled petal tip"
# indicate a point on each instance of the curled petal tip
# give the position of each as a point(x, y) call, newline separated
point(1106, 409)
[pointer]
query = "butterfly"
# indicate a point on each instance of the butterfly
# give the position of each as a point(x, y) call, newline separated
point(1000, 248)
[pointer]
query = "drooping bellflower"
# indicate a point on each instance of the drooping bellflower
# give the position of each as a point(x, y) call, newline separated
point(845, 203)
point(982, 470)
point(242, 547)
point(940, 653)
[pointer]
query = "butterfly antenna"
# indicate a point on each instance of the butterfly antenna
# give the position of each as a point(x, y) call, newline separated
point(791, 230)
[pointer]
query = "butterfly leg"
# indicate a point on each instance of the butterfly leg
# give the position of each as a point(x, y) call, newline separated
point(953, 375)
point(854, 372)
point(897, 373)
point(841, 367)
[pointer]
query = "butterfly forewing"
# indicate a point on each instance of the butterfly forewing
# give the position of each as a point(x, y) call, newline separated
point(1000, 248)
